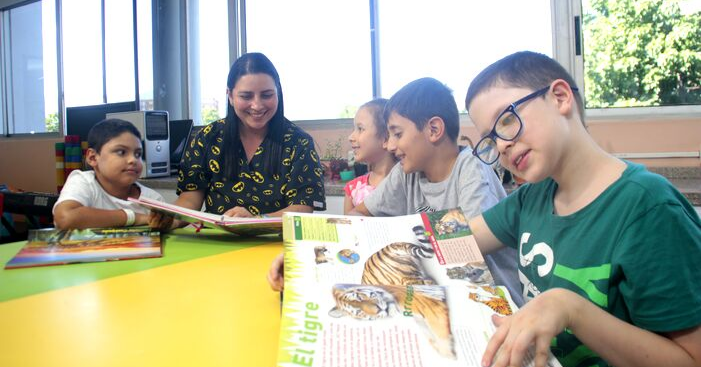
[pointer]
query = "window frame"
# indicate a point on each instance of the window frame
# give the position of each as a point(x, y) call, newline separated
point(237, 40)
point(564, 35)
point(565, 52)
point(5, 63)
point(564, 44)
point(6, 104)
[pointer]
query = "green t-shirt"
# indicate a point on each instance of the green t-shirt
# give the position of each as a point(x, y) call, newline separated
point(634, 251)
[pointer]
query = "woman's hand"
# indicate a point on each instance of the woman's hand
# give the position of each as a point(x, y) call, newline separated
point(160, 221)
point(541, 319)
point(238, 211)
point(275, 275)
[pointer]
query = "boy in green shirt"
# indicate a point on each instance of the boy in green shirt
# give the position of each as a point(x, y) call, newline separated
point(609, 253)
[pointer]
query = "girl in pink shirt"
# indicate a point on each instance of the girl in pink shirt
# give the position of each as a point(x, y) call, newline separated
point(369, 142)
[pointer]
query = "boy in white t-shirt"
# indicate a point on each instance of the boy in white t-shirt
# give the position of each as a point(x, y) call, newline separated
point(99, 198)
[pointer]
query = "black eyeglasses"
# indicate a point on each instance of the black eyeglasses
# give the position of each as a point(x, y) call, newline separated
point(507, 127)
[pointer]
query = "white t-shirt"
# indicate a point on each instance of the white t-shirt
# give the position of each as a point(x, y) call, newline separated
point(82, 187)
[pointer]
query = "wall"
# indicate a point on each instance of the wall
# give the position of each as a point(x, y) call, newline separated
point(29, 163)
point(648, 135)
point(643, 135)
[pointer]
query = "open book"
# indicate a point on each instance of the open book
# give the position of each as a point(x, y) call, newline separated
point(54, 247)
point(397, 291)
point(241, 226)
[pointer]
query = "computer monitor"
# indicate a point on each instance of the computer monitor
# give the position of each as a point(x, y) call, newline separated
point(179, 137)
point(79, 120)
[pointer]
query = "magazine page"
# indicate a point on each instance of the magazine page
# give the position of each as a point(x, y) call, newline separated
point(406, 291)
point(241, 226)
point(54, 247)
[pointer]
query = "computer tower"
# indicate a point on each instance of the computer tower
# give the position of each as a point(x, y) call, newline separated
point(153, 126)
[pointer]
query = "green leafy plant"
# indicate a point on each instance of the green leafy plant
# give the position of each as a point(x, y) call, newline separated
point(333, 149)
point(333, 160)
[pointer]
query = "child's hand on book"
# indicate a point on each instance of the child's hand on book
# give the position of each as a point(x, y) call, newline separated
point(541, 319)
point(275, 275)
point(141, 219)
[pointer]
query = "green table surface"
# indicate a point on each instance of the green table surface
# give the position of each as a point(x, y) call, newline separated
point(179, 245)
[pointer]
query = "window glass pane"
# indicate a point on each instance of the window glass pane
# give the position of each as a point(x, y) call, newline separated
point(209, 61)
point(145, 46)
point(321, 50)
point(50, 65)
point(119, 51)
point(82, 52)
point(31, 70)
point(643, 55)
point(452, 41)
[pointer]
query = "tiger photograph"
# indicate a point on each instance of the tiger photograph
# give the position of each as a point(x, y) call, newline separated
point(451, 223)
point(399, 263)
point(492, 298)
point(427, 305)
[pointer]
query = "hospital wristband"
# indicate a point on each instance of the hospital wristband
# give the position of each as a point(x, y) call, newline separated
point(131, 217)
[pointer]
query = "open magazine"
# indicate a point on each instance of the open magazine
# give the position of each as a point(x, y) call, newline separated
point(396, 291)
point(241, 226)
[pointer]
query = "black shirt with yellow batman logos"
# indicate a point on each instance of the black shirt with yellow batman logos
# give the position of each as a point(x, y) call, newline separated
point(300, 181)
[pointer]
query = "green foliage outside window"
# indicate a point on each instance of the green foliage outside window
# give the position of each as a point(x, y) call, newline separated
point(209, 115)
point(51, 122)
point(348, 112)
point(641, 53)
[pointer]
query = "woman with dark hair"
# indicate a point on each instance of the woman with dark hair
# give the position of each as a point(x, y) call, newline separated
point(254, 161)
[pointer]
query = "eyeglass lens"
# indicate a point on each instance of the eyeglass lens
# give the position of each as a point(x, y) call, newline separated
point(507, 127)
point(487, 150)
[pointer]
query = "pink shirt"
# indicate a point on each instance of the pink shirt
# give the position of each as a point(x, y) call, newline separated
point(358, 189)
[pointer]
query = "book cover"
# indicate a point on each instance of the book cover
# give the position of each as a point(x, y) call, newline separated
point(55, 247)
point(396, 291)
point(237, 225)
